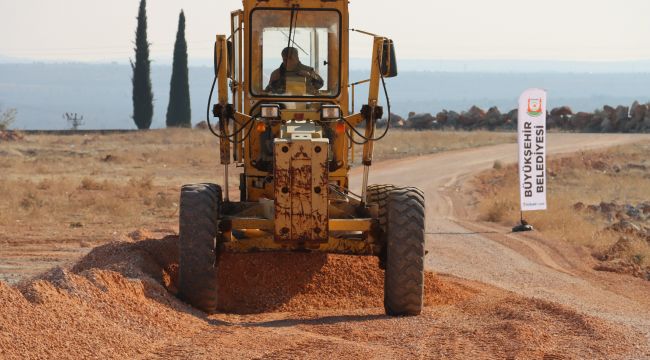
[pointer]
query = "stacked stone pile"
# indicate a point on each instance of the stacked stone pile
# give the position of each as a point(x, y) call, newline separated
point(622, 119)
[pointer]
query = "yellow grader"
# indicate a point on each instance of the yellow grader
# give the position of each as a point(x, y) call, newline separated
point(284, 118)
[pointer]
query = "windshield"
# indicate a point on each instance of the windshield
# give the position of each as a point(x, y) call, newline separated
point(305, 66)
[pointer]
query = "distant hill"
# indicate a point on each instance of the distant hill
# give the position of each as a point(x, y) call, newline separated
point(102, 92)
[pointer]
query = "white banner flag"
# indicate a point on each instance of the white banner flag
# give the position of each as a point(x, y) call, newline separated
point(532, 149)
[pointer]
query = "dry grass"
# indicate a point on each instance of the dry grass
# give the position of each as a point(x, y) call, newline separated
point(403, 143)
point(89, 187)
point(53, 201)
point(592, 177)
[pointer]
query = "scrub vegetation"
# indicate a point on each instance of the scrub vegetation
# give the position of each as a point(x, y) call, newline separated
point(597, 199)
point(77, 184)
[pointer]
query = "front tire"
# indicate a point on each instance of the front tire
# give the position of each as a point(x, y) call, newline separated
point(404, 241)
point(200, 208)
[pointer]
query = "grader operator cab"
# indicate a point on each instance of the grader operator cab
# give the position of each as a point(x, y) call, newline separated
point(285, 118)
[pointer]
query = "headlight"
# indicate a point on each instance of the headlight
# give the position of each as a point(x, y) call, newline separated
point(270, 111)
point(330, 112)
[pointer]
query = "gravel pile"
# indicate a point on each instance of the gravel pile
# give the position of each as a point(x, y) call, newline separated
point(263, 282)
point(118, 302)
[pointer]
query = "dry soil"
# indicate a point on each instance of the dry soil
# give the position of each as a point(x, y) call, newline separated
point(490, 294)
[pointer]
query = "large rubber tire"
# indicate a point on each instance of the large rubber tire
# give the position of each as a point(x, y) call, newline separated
point(200, 208)
point(404, 275)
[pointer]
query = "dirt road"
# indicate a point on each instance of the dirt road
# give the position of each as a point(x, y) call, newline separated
point(522, 263)
point(112, 304)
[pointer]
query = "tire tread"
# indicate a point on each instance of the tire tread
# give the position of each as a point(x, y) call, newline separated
point(404, 275)
point(200, 206)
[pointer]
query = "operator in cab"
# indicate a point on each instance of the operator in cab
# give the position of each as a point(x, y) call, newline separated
point(292, 68)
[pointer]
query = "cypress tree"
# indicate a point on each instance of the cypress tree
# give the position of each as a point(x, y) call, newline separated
point(179, 113)
point(142, 93)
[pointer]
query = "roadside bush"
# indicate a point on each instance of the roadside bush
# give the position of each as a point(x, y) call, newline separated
point(7, 118)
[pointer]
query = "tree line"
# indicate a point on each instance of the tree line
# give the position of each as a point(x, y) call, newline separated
point(179, 113)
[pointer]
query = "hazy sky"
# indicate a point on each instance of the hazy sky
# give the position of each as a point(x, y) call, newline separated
point(93, 30)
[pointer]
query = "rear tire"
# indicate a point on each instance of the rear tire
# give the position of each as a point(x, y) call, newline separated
point(200, 209)
point(404, 242)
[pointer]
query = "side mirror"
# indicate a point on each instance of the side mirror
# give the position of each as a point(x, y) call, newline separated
point(388, 59)
point(231, 60)
point(230, 56)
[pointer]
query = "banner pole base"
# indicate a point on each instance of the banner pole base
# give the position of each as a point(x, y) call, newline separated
point(523, 226)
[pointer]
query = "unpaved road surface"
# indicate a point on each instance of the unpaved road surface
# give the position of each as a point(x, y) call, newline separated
point(523, 263)
point(500, 295)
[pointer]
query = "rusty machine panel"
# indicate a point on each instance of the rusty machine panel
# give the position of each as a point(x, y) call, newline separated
point(301, 191)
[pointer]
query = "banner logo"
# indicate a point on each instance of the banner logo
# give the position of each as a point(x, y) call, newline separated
point(535, 107)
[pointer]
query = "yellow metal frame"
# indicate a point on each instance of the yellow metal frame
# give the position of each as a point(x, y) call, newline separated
point(363, 232)
point(256, 235)
point(243, 223)
point(340, 147)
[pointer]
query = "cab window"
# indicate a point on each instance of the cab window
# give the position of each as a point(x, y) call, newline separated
point(301, 60)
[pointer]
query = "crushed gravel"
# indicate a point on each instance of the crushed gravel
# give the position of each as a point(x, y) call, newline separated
point(118, 302)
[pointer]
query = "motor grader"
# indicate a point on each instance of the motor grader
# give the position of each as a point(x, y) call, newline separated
point(286, 118)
